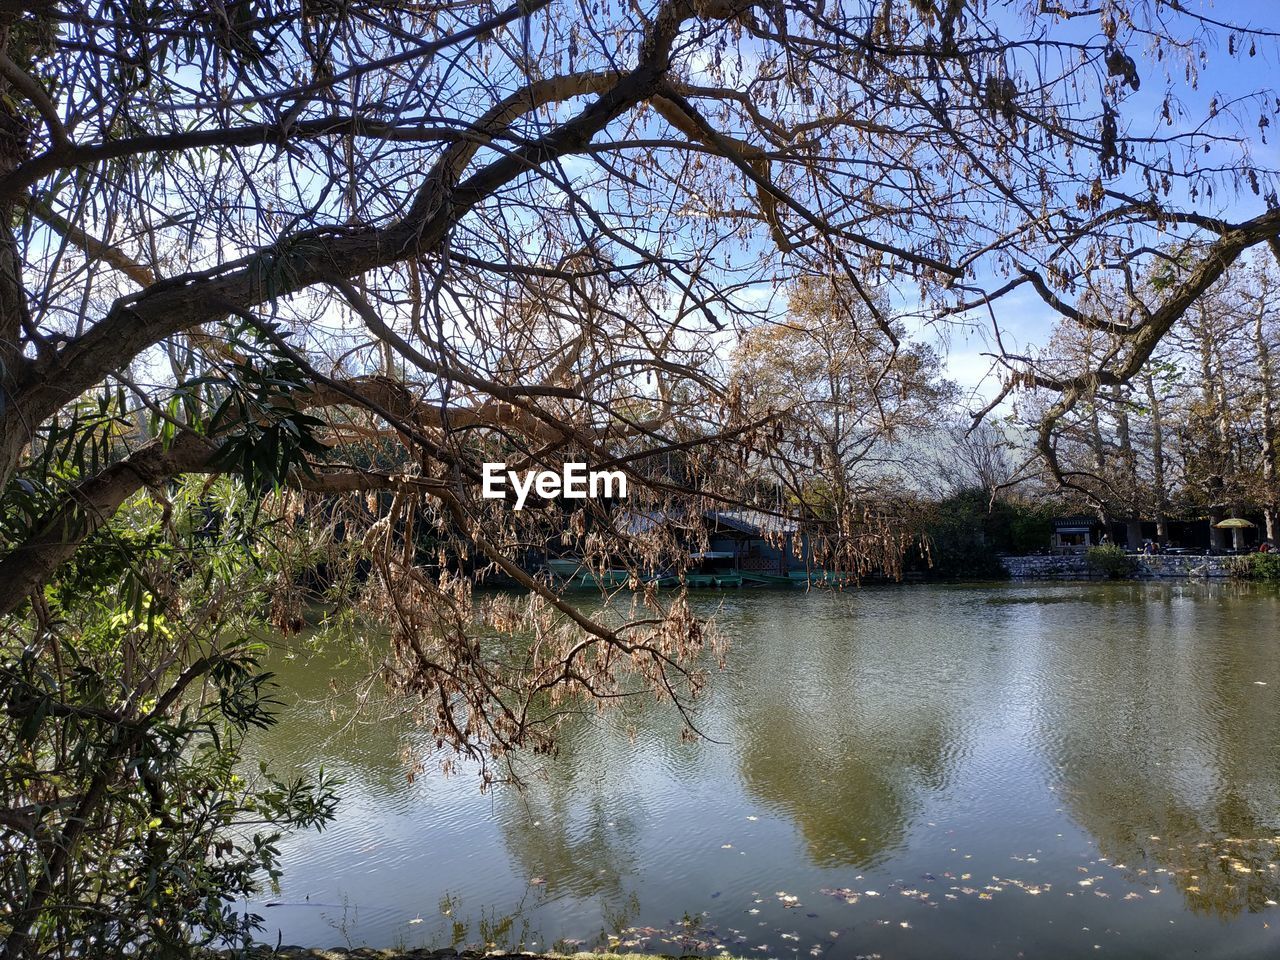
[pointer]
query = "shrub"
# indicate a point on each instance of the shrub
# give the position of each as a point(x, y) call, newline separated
point(967, 533)
point(130, 824)
point(1110, 560)
point(1261, 566)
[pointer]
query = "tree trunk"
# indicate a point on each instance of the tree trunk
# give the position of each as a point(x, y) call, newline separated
point(1270, 455)
point(1128, 470)
point(1099, 463)
point(1157, 462)
point(1215, 480)
point(57, 535)
point(1216, 539)
point(14, 318)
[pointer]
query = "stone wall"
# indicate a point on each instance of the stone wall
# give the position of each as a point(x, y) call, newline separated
point(422, 953)
point(1163, 567)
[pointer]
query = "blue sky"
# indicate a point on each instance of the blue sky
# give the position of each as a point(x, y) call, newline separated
point(1024, 319)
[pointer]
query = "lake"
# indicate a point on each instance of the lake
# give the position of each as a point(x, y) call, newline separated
point(1038, 770)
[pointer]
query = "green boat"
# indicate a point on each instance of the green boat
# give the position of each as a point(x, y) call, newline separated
point(608, 579)
point(729, 578)
point(572, 574)
point(756, 579)
point(803, 577)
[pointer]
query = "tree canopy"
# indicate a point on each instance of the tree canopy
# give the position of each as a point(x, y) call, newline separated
point(532, 220)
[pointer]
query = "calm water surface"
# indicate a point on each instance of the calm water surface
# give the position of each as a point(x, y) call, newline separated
point(1007, 771)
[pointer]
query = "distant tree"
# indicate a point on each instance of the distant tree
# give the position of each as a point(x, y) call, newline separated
point(1261, 303)
point(848, 396)
point(988, 456)
point(1194, 434)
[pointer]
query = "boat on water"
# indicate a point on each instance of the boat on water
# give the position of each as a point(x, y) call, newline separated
point(837, 578)
point(572, 573)
point(713, 570)
point(718, 580)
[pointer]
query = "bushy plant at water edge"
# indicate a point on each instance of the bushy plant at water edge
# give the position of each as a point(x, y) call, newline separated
point(1261, 566)
point(1110, 560)
point(130, 826)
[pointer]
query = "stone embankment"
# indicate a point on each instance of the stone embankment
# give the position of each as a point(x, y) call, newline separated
point(369, 953)
point(1162, 567)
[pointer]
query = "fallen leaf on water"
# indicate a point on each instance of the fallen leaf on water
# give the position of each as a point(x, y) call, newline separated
point(835, 891)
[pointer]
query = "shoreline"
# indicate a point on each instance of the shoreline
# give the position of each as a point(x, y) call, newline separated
point(1145, 568)
point(293, 952)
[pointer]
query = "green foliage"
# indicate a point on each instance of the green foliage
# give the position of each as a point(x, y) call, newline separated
point(967, 533)
point(267, 435)
point(1262, 566)
point(128, 692)
point(76, 443)
point(1110, 560)
point(1029, 527)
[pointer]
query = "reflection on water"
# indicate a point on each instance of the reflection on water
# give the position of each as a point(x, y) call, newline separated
point(1050, 770)
point(1165, 747)
point(815, 744)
